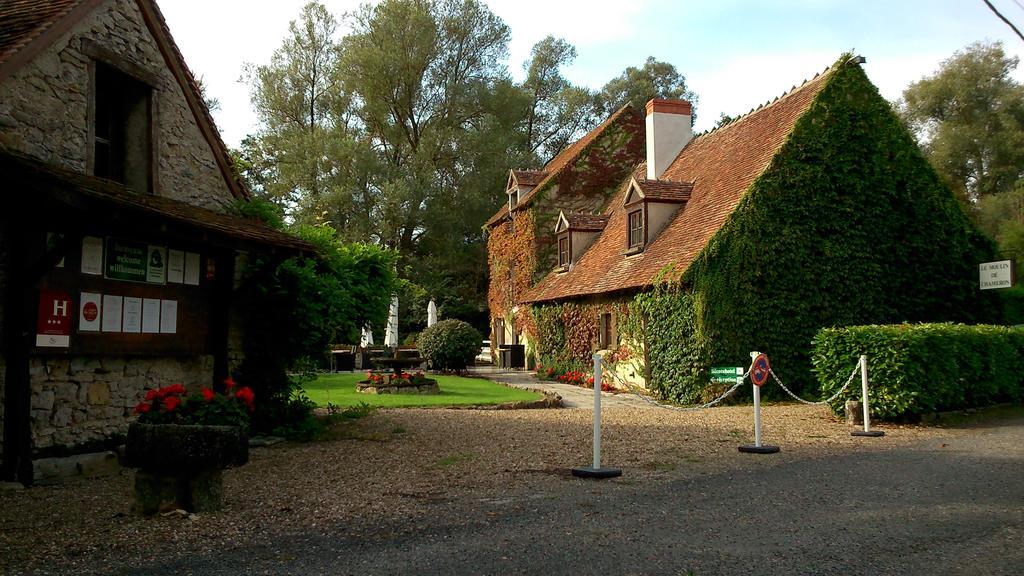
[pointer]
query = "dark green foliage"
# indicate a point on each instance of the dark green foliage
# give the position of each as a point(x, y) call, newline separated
point(450, 345)
point(304, 305)
point(848, 225)
point(1013, 305)
point(922, 368)
point(668, 314)
point(258, 209)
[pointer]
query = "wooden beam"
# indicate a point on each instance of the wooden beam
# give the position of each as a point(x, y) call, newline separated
point(18, 307)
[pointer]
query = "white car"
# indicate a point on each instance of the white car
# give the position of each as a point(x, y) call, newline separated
point(484, 357)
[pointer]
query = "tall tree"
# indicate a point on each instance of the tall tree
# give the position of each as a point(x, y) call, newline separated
point(969, 117)
point(655, 79)
point(557, 110)
point(306, 139)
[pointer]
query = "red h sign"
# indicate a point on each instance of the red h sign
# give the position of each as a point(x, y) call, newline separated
point(53, 328)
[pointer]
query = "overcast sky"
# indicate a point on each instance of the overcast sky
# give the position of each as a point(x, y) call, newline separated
point(735, 54)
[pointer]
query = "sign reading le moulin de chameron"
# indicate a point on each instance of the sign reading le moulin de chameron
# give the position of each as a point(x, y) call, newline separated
point(125, 260)
point(996, 274)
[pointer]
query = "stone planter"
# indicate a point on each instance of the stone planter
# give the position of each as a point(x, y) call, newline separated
point(180, 465)
point(425, 386)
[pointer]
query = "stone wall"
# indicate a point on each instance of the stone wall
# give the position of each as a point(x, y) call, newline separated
point(44, 107)
point(81, 400)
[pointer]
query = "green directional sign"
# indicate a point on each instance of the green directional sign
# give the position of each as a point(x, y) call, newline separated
point(729, 374)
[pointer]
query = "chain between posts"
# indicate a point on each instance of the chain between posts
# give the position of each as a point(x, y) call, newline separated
point(643, 394)
point(823, 402)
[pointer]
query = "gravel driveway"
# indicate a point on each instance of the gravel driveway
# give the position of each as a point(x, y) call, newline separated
point(471, 492)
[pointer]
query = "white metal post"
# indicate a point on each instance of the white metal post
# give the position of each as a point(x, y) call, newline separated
point(757, 416)
point(864, 389)
point(597, 412)
point(864, 401)
point(596, 471)
point(757, 448)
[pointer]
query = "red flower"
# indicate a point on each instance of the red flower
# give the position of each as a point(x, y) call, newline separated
point(173, 389)
point(171, 402)
point(229, 383)
point(151, 395)
point(143, 407)
point(246, 395)
point(208, 394)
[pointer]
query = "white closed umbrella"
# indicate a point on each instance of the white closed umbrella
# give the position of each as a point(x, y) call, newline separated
point(431, 313)
point(367, 338)
point(391, 337)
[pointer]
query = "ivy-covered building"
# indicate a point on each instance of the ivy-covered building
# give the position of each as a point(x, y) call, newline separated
point(580, 178)
point(814, 210)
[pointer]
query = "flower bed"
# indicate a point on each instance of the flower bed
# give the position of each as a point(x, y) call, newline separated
point(574, 377)
point(403, 383)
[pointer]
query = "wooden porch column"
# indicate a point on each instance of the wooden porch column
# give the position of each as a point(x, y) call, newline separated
point(18, 308)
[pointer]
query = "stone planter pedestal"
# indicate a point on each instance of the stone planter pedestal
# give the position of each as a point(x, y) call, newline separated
point(180, 465)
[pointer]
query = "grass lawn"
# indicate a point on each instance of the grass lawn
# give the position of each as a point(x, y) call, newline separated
point(340, 390)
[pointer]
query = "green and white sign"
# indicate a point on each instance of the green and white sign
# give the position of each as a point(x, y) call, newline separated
point(727, 374)
point(126, 260)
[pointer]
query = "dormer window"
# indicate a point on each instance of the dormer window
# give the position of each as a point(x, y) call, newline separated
point(521, 182)
point(650, 205)
point(574, 234)
point(637, 237)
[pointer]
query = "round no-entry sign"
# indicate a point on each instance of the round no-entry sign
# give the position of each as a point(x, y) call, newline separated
point(759, 370)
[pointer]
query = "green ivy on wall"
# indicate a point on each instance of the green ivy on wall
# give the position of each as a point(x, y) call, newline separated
point(848, 225)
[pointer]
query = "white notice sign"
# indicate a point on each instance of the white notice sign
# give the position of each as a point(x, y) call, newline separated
point(168, 316)
point(996, 274)
point(92, 255)
point(192, 268)
point(150, 316)
point(89, 312)
point(132, 315)
point(112, 306)
point(175, 266)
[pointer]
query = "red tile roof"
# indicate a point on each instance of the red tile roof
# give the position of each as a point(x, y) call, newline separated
point(722, 165)
point(22, 21)
point(665, 190)
point(569, 155)
point(586, 222)
point(27, 26)
point(529, 177)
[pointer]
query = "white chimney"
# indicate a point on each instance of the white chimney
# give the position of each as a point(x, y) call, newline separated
point(668, 130)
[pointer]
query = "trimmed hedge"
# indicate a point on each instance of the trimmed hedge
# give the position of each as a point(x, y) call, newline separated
point(922, 368)
point(449, 345)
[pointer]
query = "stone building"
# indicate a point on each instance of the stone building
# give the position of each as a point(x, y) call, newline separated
point(118, 259)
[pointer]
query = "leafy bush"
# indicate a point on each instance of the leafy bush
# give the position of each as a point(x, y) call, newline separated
point(921, 368)
point(306, 303)
point(450, 344)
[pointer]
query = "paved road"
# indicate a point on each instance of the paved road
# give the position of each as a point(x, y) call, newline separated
point(951, 506)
